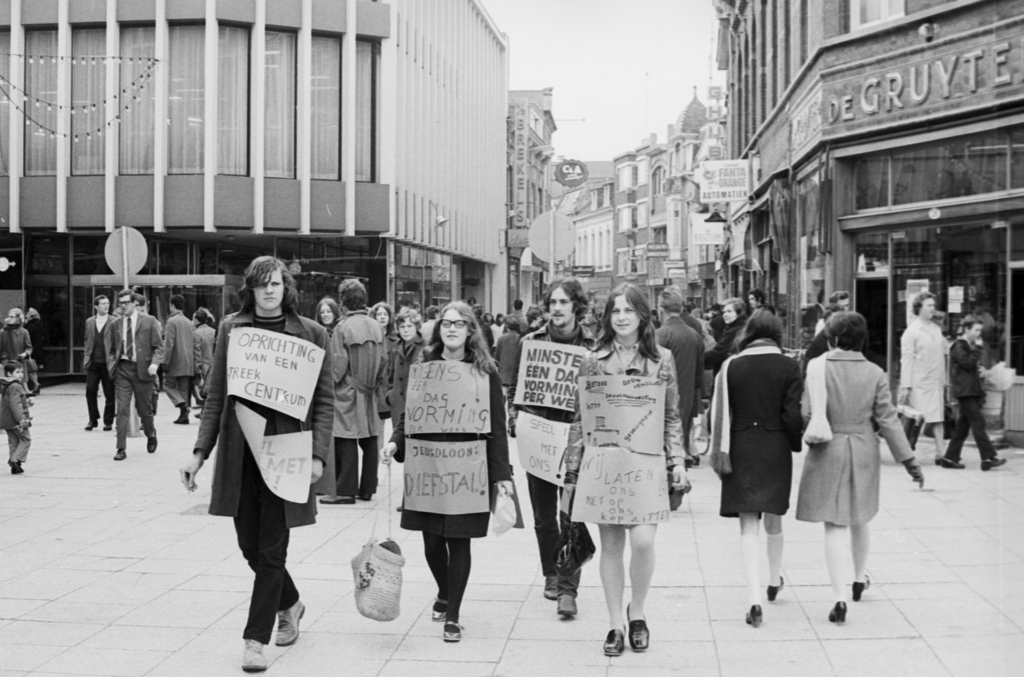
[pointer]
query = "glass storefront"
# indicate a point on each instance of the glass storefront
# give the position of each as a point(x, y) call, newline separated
point(422, 277)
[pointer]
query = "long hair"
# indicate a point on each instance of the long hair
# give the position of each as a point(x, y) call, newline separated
point(389, 329)
point(763, 324)
point(476, 347)
point(258, 275)
point(648, 342)
point(330, 303)
point(574, 290)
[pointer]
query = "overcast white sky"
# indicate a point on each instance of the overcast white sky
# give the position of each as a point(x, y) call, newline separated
point(595, 54)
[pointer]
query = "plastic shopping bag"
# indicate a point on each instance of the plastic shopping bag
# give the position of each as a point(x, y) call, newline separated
point(503, 515)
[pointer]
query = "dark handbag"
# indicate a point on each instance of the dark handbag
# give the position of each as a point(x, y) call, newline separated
point(912, 421)
point(948, 422)
point(575, 547)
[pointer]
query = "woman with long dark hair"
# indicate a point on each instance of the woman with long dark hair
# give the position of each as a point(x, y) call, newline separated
point(456, 337)
point(734, 315)
point(628, 346)
point(328, 314)
point(757, 426)
point(383, 313)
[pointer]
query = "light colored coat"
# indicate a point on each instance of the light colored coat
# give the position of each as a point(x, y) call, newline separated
point(840, 478)
point(360, 362)
point(923, 351)
point(179, 346)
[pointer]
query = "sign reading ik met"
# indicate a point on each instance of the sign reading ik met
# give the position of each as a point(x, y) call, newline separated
point(276, 370)
point(447, 397)
point(547, 374)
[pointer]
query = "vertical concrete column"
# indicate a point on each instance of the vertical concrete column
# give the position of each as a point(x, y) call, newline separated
point(304, 114)
point(348, 116)
point(211, 87)
point(111, 136)
point(387, 116)
point(259, 113)
point(161, 49)
point(17, 131)
point(63, 115)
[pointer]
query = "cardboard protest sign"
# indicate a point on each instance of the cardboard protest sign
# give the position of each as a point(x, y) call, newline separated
point(276, 370)
point(626, 411)
point(541, 445)
point(285, 461)
point(449, 478)
point(619, 487)
point(548, 374)
point(447, 397)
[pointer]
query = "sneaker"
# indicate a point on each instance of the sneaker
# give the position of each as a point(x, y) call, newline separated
point(551, 587)
point(253, 659)
point(567, 606)
point(288, 624)
point(992, 463)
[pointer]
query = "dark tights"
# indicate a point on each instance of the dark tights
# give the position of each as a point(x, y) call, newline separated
point(449, 560)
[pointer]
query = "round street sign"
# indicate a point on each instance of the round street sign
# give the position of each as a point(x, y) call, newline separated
point(571, 173)
point(540, 236)
point(137, 251)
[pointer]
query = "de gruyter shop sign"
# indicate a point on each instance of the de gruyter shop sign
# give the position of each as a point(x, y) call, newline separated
point(975, 72)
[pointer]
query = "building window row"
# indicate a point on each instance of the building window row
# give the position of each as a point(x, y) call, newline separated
point(133, 113)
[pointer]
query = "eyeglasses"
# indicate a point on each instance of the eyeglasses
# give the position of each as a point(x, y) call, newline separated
point(458, 324)
point(124, 303)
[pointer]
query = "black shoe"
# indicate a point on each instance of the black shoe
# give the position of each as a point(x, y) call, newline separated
point(615, 643)
point(16, 468)
point(183, 416)
point(151, 444)
point(452, 632)
point(859, 588)
point(838, 613)
point(365, 497)
point(551, 588)
point(120, 455)
point(992, 463)
point(337, 500)
point(755, 616)
point(639, 634)
point(108, 428)
point(773, 591)
point(944, 462)
point(91, 426)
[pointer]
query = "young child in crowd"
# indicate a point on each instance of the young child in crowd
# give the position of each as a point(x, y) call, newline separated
point(14, 416)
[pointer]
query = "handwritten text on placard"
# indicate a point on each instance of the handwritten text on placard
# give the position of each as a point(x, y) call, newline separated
point(285, 461)
point(276, 370)
point(547, 374)
point(626, 411)
point(447, 397)
point(449, 478)
point(619, 487)
point(541, 444)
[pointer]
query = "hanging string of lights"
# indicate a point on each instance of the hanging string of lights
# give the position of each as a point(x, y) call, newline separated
point(124, 99)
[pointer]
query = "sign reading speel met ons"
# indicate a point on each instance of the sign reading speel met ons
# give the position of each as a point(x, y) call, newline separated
point(276, 370)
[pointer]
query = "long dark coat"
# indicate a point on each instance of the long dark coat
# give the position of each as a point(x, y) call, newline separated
point(714, 358)
point(687, 348)
point(473, 525)
point(764, 398)
point(220, 426)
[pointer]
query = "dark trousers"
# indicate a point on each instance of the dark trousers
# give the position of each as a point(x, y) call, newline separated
point(348, 479)
point(95, 376)
point(544, 497)
point(971, 420)
point(178, 389)
point(263, 537)
point(20, 440)
point(127, 384)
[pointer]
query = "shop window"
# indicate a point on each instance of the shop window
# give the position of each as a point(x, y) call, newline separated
point(187, 100)
point(5, 106)
point(47, 255)
point(89, 257)
point(873, 253)
point(366, 110)
point(279, 135)
point(872, 182)
point(1017, 242)
point(866, 12)
point(326, 100)
point(233, 101)
point(88, 94)
point(172, 257)
point(138, 44)
point(41, 103)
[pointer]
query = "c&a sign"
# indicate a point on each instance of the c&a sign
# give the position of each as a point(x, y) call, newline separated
point(976, 72)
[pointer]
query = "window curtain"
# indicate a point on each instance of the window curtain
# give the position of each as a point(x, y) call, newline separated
point(233, 104)
point(41, 83)
point(186, 102)
point(365, 91)
point(88, 91)
point(279, 138)
point(326, 88)
point(5, 104)
point(138, 122)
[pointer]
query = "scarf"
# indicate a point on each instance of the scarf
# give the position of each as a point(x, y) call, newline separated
point(818, 429)
point(721, 413)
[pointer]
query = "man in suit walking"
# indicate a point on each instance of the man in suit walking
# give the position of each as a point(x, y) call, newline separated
point(179, 361)
point(97, 329)
point(135, 351)
point(687, 347)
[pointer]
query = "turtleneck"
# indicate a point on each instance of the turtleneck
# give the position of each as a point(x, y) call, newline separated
point(273, 323)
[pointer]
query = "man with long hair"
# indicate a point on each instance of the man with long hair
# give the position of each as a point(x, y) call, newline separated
point(262, 518)
point(567, 304)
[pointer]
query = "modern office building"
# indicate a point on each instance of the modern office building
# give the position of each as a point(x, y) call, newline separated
point(347, 137)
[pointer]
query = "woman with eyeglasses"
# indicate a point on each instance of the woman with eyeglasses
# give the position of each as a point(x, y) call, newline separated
point(446, 537)
point(628, 346)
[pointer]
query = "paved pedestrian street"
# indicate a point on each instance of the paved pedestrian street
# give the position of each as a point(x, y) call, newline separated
point(113, 569)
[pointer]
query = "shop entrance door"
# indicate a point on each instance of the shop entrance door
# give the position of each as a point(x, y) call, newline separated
point(872, 301)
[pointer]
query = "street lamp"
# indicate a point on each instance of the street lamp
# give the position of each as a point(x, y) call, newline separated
point(439, 218)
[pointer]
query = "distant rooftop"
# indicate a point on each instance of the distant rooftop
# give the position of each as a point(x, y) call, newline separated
point(693, 118)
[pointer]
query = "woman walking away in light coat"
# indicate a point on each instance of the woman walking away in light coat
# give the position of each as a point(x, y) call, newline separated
point(844, 393)
point(757, 428)
point(923, 369)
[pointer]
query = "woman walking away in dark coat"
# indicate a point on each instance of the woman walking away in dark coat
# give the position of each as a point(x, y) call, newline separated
point(505, 353)
point(843, 395)
point(964, 359)
point(757, 428)
point(734, 314)
point(263, 519)
point(447, 531)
